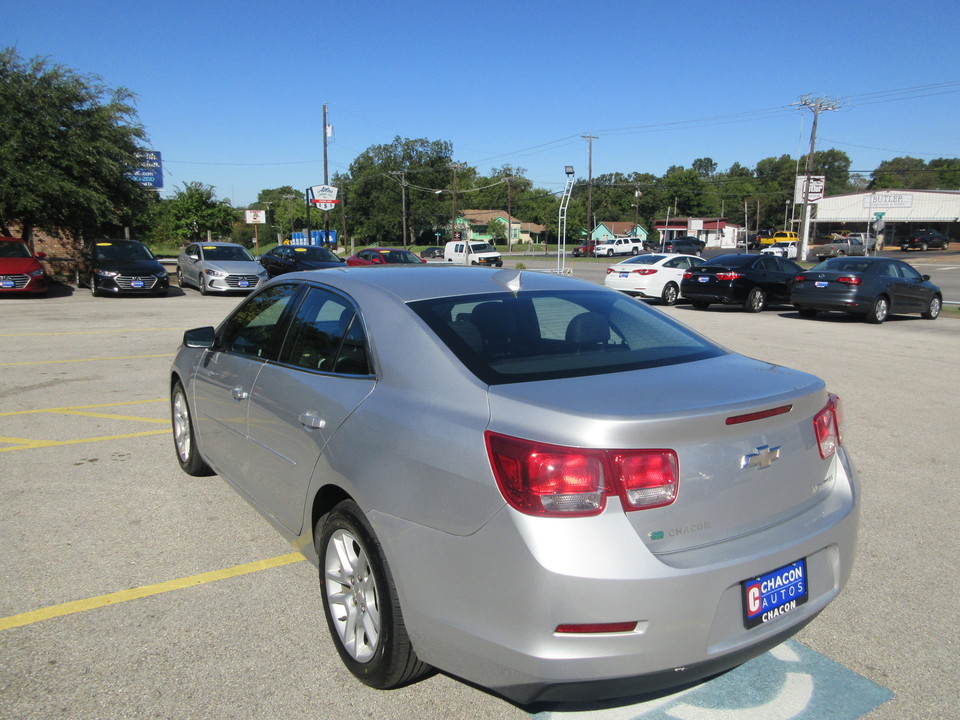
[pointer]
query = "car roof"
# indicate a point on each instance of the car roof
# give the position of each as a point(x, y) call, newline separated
point(215, 242)
point(424, 281)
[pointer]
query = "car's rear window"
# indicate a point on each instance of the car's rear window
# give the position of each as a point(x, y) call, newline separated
point(506, 338)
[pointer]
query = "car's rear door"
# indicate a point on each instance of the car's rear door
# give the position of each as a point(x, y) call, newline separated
point(322, 375)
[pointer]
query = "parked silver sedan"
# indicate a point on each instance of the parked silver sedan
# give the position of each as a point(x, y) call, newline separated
point(525, 480)
point(219, 267)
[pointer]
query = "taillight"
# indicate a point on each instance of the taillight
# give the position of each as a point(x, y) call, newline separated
point(828, 426)
point(687, 275)
point(800, 278)
point(556, 481)
point(851, 279)
point(610, 270)
point(644, 271)
point(729, 275)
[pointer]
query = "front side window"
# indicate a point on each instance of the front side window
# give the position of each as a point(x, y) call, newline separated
point(504, 338)
point(254, 328)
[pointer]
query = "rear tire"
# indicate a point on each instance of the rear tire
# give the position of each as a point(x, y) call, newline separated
point(670, 294)
point(756, 300)
point(360, 602)
point(879, 311)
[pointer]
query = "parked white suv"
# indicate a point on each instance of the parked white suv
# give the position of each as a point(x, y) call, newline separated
point(619, 246)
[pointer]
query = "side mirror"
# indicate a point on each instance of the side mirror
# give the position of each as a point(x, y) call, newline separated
point(925, 278)
point(199, 337)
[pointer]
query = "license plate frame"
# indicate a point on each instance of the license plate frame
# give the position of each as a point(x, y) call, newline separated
point(772, 594)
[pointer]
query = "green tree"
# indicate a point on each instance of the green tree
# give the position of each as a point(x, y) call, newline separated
point(194, 210)
point(67, 142)
point(382, 176)
point(903, 173)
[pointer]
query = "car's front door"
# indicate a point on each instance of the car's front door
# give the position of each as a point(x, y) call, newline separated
point(227, 374)
point(299, 402)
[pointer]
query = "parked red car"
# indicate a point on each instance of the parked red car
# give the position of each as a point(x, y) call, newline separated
point(20, 269)
point(384, 256)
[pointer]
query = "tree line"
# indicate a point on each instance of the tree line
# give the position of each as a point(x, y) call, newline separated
point(68, 143)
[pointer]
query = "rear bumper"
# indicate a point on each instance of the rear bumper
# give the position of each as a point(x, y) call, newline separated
point(495, 624)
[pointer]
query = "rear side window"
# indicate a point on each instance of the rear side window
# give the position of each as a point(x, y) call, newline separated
point(326, 335)
point(504, 338)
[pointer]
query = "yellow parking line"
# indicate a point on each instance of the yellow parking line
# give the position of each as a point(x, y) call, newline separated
point(80, 360)
point(86, 332)
point(72, 408)
point(143, 591)
point(34, 444)
point(111, 416)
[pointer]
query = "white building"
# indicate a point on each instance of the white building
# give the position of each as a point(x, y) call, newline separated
point(890, 212)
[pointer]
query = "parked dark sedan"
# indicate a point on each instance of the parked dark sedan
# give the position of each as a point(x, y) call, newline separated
point(120, 267)
point(874, 287)
point(686, 245)
point(434, 251)
point(924, 239)
point(292, 258)
point(750, 280)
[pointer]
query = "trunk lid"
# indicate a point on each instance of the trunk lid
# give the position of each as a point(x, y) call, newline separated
point(738, 474)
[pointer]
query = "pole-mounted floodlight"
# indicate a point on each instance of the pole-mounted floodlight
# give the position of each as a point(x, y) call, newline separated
point(568, 169)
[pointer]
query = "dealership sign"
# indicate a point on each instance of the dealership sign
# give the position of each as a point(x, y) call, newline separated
point(256, 217)
point(813, 193)
point(324, 196)
point(149, 171)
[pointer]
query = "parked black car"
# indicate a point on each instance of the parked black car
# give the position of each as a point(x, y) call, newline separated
point(874, 287)
point(751, 280)
point(687, 245)
point(120, 267)
point(434, 251)
point(923, 239)
point(293, 258)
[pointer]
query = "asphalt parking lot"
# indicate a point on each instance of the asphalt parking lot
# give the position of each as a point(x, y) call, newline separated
point(132, 590)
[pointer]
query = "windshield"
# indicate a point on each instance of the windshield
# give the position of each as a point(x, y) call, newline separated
point(226, 252)
point(122, 251)
point(14, 250)
point(481, 247)
point(317, 254)
point(506, 338)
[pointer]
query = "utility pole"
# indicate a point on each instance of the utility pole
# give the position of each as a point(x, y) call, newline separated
point(326, 180)
point(817, 106)
point(589, 139)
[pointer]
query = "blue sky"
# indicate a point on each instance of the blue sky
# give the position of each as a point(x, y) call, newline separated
point(231, 93)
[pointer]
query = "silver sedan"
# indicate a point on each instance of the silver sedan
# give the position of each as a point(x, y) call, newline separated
point(219, 267)
point(524, 480)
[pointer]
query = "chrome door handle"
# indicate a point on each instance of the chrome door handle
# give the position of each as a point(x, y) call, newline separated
point(239, 393)
point(312, 422)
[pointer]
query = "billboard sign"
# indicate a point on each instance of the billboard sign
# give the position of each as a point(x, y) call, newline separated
point(149, 172)
point(888, 200)
point(256, 217)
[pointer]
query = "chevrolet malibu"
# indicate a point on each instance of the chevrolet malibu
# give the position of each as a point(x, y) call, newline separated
point(617, 505)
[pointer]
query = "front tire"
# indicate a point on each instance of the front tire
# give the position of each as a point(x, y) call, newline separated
point(93, 285)
point(360, 602)
point(201, 285)
point(184, 438)
point(670, 294)
point(756, 300)
point(933, 309)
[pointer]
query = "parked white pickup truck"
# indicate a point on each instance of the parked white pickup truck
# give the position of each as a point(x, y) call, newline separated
point(619, 246)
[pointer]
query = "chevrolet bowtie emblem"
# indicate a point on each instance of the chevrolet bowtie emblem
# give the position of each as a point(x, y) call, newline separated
point(762, 458)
